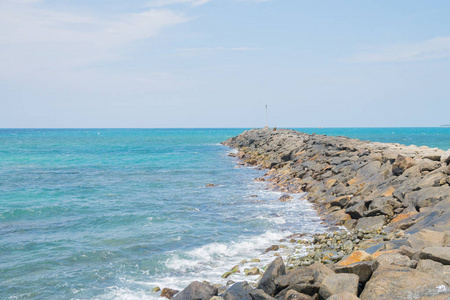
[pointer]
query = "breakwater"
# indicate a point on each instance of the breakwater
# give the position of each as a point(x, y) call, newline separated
point(392, 199)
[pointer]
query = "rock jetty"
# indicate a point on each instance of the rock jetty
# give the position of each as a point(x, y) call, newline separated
point(389, 207)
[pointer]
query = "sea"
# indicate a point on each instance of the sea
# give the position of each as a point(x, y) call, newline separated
point(114, 213)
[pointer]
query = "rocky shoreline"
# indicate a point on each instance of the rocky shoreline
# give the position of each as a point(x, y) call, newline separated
point(390, 208)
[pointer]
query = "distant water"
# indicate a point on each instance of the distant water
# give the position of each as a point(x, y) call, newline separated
point(112, 213)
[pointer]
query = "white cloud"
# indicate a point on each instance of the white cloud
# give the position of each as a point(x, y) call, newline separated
point(34, 40)
point(435, 48)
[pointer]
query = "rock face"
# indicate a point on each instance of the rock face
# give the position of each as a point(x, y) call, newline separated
point(439, 254)
point(239, 291)
point(197, 290)
point(274, 270)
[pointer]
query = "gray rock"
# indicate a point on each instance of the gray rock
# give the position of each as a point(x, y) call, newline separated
point(339, 283)
point(294, 295)
point(426, 238)
point(267, 282)
point(357, 210)
point(363, 269)
point(428, 165)
point(260, 295)
point(445, 158)
point(299, 275)
point(303, 288)
point(371, 223)
point(320, 271)
point(343, 296)
point(439, 254)
point(394, 282)
point(401, 164)
point(395, 259)
point(239, 291)
point(435, 269)
point(197, 290)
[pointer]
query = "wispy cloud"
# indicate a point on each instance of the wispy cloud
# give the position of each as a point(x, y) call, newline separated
point(203, 50)
point(163, 3)
point(435, 48)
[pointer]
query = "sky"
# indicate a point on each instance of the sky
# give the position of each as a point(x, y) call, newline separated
point(217, 63)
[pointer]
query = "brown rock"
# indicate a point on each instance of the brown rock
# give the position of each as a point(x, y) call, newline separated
point(401, 164)
point(294, 295)
point(343, 296)
point(355, 257)
point(168, 293)
point(426, 238)
point(286, 198)
point(439, 254)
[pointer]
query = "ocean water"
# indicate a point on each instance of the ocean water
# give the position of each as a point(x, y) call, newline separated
point(112, 213)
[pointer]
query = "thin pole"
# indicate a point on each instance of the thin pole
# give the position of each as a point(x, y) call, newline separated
point(267, 117)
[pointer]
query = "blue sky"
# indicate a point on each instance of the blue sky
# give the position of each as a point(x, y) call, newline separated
point(216, 63)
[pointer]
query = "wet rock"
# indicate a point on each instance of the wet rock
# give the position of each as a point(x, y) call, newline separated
point(394, 282)
point(252, 271)
point(274, 270)
point(197, 290)
point(168, 293)
point(239, 291)
point(272, 248)
point(260, 295)
point(339, 283)
point(156, 289)
point(210, 185)
point(439, 254)
point(285, 198)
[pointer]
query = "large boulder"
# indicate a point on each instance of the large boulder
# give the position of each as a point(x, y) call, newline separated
point(439, 254)
point(197, 290)
point(320, 271)
point(339, 283)
point(363, 269)
point(401, 164)
point(274, 270)
point(445, 158)
point(435, 269)
point(357, 210)
point(371, 223)
point(299, 275)
point(294, 295)
point(343, 296)
point(426, 238)
point(394, 282)
point(260, 295)
point(239, 291)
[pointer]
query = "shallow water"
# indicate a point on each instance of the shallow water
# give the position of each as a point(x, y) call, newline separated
point(112, 213)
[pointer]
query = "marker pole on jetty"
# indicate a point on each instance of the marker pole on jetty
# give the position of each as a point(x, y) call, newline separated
point(267, 119)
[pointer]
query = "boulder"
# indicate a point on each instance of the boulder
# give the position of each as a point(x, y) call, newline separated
point(371, 223)
point(299, 275)
point(355, 257)
point(395, 259)
point(357, 210)
point(267, 282)
point(168, 293)
point(197, 290)
point(239, 291)
point(320, 271)
point(439, 254)
point(428, 196)
point(445, 158)
point(394, 282)
point(294, 295)
point(401, 164)
point(343, 296)
point(286, 198)
point(303, 288)
point(426, 238)
point(339, 283)
point(363, 269)
point(260, 295)
point(428, 165)
point(435, 269)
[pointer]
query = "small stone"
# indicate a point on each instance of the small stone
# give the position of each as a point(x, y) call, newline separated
point(272, 248)
point(210, 185)
point(285, 198)
point(155, 289)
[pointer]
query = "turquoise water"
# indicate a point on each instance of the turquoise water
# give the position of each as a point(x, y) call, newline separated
point(112, 213)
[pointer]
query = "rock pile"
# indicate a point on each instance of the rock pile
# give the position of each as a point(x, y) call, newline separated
point(393, 200)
